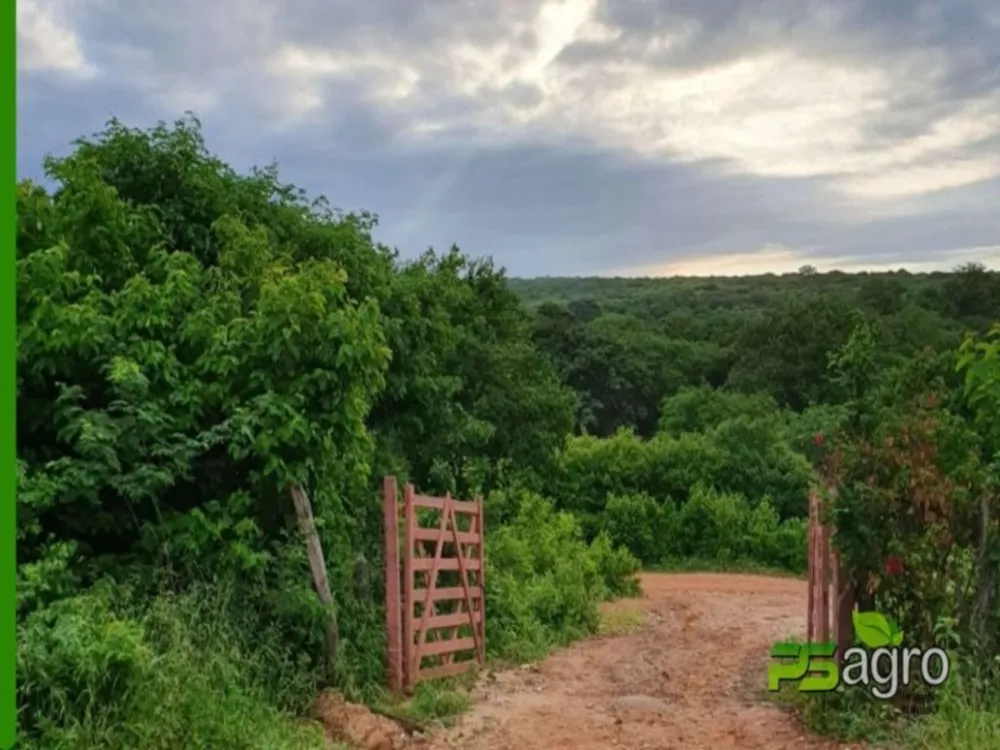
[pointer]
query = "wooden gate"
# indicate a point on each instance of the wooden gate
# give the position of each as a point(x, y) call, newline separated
point(831, 593)
point(440, 621)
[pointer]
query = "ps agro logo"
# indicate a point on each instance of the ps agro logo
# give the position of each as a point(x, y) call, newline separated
point(884, 665)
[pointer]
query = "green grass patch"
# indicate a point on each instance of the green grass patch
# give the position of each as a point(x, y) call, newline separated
point(711, 565)
point(620, 620)
point(439, 701)
point(964, 718)
point(848, 715)
point(186, 672)
point(432, 702)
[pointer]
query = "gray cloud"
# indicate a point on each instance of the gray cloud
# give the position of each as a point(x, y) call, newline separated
point(585, 138)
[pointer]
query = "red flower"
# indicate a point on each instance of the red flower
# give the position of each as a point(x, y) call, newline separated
point(893, 566)
point(818, 438)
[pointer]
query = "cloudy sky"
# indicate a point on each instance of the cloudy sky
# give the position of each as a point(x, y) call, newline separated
point(570, 137)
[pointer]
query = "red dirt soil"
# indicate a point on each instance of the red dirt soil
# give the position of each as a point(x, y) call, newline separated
point(691, 677)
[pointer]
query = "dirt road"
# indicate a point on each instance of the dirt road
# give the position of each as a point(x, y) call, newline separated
point(690, 678)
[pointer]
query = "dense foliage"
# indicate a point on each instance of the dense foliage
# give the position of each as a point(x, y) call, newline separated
point(881, 390)
point(192, 341)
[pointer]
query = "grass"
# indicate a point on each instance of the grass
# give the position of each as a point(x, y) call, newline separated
point(197, 677)
point(186, 672)
point(845, 715)
point(965, 719)
point(618, 620)
point(709, 565)
point(437, 702)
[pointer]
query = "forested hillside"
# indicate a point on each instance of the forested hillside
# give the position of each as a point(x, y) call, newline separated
point(193, 341)
point(626, 344)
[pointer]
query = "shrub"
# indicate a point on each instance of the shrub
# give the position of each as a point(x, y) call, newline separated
point(775, 543)
point(192, 341)
point(711, 525)
point(618, 567)
point(641, 525)
point(97, 670)
point(758, 462)
point(544, 583)
point(701, 408)
point(745, 455)
point(592, 469)
point(724, 528)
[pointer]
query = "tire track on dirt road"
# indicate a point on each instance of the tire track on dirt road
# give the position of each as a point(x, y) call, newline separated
point(690, 678)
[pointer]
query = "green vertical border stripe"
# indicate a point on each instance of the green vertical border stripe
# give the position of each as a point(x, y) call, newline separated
point(8, 385)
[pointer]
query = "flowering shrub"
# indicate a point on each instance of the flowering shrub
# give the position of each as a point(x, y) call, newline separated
point(913, 491)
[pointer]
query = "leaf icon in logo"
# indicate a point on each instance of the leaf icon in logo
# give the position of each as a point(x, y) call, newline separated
point(875, 630)
point(897, 634)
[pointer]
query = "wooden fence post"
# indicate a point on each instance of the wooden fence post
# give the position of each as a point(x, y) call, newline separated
point(843, 625)
point(822, 575)
point(390, 508)
point(811, 591)
point(823, 636)
point(409, 522)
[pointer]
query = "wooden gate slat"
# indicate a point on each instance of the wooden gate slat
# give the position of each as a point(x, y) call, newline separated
point(455, 593)
point(408, 571)
point(448, 646)
point(823, 575)
point(430, 535)
point(449, 564)
point(451, 620)
point(438, 503)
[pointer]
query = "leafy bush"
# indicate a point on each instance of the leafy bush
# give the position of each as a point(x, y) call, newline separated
point(618, 567)
point(641, 525)
point(914, 487)
point(96, 670)
point(191, 341)
point(914, 473)
point(701, 408)
point(712, 526)
point(724, 528)
point(593, 469)
point(758, 463)
point(544, 583)
point(739, 455)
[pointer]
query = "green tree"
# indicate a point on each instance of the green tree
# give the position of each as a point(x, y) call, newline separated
point(784, 351)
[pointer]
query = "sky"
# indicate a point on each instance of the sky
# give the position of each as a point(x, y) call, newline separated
point(569, 137)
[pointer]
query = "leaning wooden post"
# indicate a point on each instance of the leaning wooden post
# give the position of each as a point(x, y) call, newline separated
point(317, 564)
point(393, 622)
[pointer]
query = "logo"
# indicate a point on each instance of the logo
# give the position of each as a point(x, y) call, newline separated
point(881, 664)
